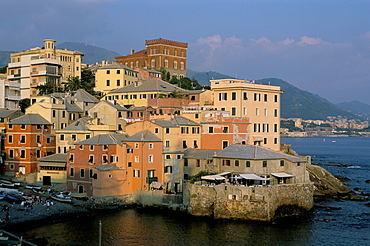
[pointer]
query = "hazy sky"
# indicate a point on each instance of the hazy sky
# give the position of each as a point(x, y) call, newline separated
point(317, 45)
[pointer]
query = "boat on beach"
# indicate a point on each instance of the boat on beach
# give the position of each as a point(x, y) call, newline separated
point(61, 197)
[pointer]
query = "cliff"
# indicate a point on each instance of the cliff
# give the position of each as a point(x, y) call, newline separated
point(325, 184)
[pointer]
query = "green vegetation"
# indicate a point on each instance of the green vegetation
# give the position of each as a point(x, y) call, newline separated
point(3, 69)
point(290, 125)
point(184, 83)
point(24, 103)
point(197, 176)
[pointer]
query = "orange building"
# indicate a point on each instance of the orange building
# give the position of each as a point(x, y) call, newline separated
point(114, 164)
point(27, 138)
point(159, 53)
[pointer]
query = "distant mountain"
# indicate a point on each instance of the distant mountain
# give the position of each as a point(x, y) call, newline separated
point(296, 103)
point(204, 77)
point(5, 57)
point(356, 107)
point(92, 54)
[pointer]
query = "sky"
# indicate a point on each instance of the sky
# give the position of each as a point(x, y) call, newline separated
point(321, 46)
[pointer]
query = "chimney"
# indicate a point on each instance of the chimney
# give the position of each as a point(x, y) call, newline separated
point(132, 51)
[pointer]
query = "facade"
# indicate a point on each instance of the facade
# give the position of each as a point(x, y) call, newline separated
point(61, 109)
point(146, 73)
point(114, 76)
point(260, 103)
point(28, 138)
point(162, 96)
point(159, 53)
point(32, 70)
point(70, 61)
point(9, 93)
point(114, 165)
point(52, 169)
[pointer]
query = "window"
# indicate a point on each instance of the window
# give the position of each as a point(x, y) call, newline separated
point(129, 164)
point(23, 153)
point(12, 166)
point(82, 173)
point(175, 64)
point(197, 163)
point(38, 153)
point(222, 96)
point(168, 169)
point(257, 97)
point(136, 173)
point(226, 129)
point(275, 113)
point(91, 159)
point(87, 136)
point(151, 173)
point(244, 111)
point(225, 162)
point(178, 157)
point(38, 139)
point(91, 173)
point(156, 130)
point(236, 163)
point(168, 157)
point(265, 127)
point(107, 83)
point(54, 113)
point(247, 164)
point(275, 141)
point(151, 146)
point(282, 163)
point(265, 97)
point(210, 129)
point(71, 158)
point(118, 71)
point(245, 96)
point(233, 96)
point(184, 145)
point(23, 139)
point(195, 144)
point(104, 159)
point(195, 130)
point(256, 127)
point(136, 159)
point(233, 111)
point(275, 127)
point(74, 137)
point(264, 164)
point(196, 116)
point(184, 130)
point(167, 143)
point(264, 140)
point(186, 162)
point(118, 82)
point(23, 127)
point(150, 158)
point(167, 130)
point(105, 147)
point(10, 139)
point(257, 111)
point(225, 143)
point(108, 71)
point(72, 172)
point(276, 98)
point(11, 153)
point(91, 147)
point(136, 145)
point(165, 63)
point(10, 126)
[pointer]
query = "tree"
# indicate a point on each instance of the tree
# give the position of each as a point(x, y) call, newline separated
point(48, 88)
point(88, 80)
point(24, 103)
point(73, 84)
point(3, 69)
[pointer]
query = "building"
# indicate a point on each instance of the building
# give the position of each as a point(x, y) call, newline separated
point(31, 70)
point(260, 103)
point(114, 76)
point(162, 96)
point(62, 109)
point(9, 93)
point(52, 170)
point(70, 61)
point(28, 138)
point(159, 53)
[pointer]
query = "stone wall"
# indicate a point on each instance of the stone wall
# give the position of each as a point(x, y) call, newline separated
point(249, 203)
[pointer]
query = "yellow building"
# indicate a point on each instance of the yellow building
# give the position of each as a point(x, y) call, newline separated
point(260, 103)
point(69, 60)
point(114, 76)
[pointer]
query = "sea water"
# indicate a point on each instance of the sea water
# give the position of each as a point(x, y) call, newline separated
point(332, 223)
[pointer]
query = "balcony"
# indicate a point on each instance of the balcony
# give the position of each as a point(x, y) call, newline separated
point(14, 76)
point(13, 98)
point(13, 85)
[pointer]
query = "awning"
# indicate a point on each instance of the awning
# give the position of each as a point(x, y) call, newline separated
point(282, 175)
point(156, 185)
point(252, 176)
point(224, 173)
point(213, 177)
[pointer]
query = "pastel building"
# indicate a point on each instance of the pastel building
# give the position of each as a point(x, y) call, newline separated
point(260, 103)
point(159, 53)
point(28, 138)
point(9, 92)
point(114, 76)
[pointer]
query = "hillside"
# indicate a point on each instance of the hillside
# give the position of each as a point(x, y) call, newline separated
point(204, 77)
point(92, 54)
point(4, 57)
point(356, 107)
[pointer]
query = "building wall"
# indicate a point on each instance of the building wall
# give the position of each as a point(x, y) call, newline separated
point(260, 103)
point(107, 80)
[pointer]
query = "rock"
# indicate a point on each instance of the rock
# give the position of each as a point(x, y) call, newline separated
point(355, 198)
point(325, 183)
point(367, 181)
